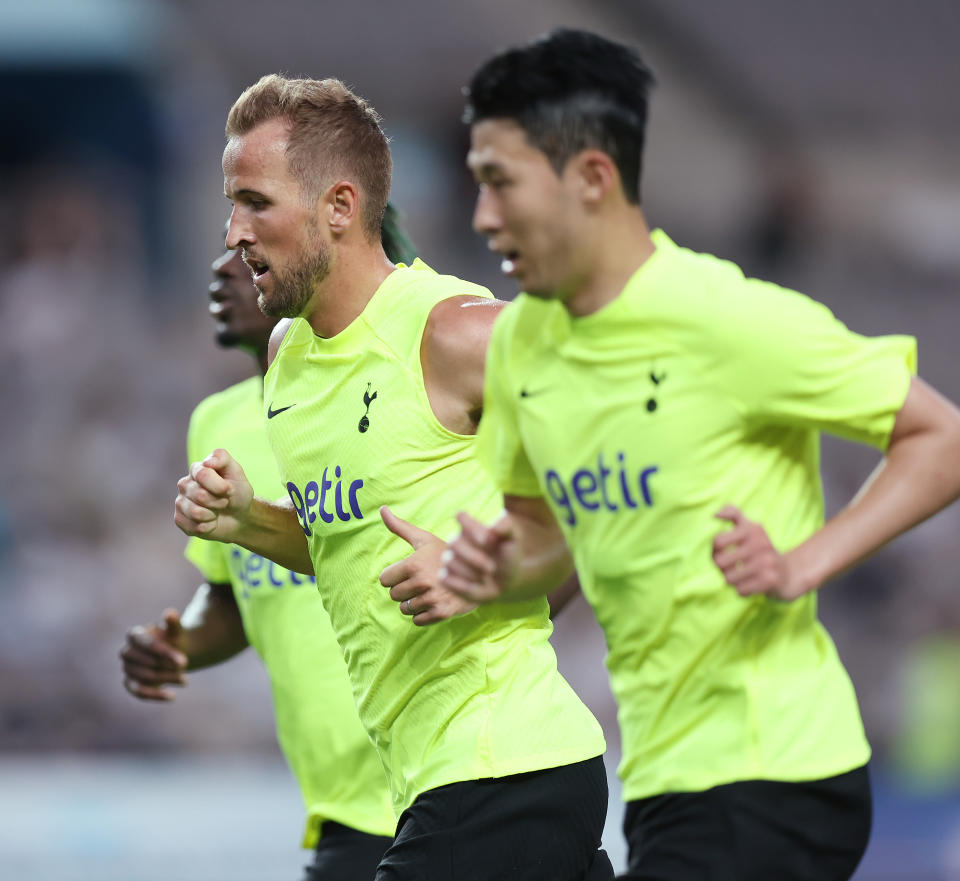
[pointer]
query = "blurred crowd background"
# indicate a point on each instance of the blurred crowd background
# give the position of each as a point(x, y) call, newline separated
point(816, 143)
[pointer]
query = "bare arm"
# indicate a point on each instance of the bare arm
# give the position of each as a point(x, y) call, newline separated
point(453, 353)
point(919, 476)
point(156, 656)
point(212, 627)
point(216, 502)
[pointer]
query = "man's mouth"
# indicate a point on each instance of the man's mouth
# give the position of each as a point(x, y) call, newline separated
point(508, 266)
point(258, 268)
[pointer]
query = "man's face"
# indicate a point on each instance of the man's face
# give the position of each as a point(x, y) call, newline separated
point(233, 305)
point(527, 211)
point(275, 225)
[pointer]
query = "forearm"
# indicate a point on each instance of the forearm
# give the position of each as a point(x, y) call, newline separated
point(272, 530)
point(543, 562)
point(919, 476)
point(212, 627)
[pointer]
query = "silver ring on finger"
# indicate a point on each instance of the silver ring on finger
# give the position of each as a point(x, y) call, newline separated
point(407, 604)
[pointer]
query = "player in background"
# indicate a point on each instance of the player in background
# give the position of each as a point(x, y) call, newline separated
point(372, 397)
point(248, 600)
point(659, 414)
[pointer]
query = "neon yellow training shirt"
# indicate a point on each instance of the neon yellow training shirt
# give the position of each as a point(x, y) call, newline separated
point(693, 389)
point(339, 772)
point(474, 697)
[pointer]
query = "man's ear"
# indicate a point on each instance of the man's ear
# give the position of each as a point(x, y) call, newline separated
point(342, 206)
point(597, 175)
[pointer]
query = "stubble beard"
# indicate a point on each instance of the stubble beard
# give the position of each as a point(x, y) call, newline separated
point(294, 288)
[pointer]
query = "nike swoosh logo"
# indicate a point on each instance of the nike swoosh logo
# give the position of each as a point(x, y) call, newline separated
point(525, 394)
point(271, 412)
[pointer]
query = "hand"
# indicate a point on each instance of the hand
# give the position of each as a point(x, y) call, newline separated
point(153, 658)
point(749, 561)
point(414, 581)
point(478, 563)
point(213, 498)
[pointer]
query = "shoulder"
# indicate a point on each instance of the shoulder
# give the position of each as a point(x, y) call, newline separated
point(221, 409)
point(226, 400)
point(277, 336)
point(458, 329)
point(419, 282)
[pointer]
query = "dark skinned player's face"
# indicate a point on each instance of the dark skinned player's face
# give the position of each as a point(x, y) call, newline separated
point(233, 305)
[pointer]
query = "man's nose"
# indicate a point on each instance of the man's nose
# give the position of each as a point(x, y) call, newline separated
point(239, 232)
point(486, 219)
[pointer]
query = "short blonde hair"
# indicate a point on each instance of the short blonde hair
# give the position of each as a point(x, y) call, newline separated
point(333, 133)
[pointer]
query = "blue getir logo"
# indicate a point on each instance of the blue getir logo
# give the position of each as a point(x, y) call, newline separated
point(252, 571)
point(317, 496)
point(611, 488)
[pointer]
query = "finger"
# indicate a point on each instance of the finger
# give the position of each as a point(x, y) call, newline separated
point(149, 642)
point(442, 610)
point(132, 654)
point(194, 513)
point(731, 513)
point(171, 624)
point(412, 606)
point(412, 535)
point(756, 584)
point(736, 536)
point(457, 565)
point(395, 573)
point(220, 460)
point(737, 575)
point(210, 480)
point(153, 675)
point(433, 615)
point(194, 491)
point(729, 557)
point(406, 590)
point(456, 568)
point(148, 693)
point(470, 589)
point(476, 532)
point(192, 527)
point(469, 554)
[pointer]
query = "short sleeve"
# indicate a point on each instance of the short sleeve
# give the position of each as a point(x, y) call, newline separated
point(499, 444)
point(210, 557)
point(784, 358)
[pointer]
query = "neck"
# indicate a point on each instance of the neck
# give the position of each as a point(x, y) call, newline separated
point(345, 292)
point(621, 245)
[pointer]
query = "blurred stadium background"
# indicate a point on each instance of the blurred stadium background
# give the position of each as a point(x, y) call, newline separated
point(816, 143)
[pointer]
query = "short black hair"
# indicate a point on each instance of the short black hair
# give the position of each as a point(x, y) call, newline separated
point(396, 242)
point(570, 90)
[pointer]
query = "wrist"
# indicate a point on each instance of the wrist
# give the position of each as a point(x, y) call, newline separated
point(806, 571)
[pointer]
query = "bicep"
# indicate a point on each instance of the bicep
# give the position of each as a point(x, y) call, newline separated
point(924, 409)
point(454, 348)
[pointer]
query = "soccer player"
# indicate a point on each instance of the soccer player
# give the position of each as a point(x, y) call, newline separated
point(372, 397)
point(642, 398)
point(248, 600)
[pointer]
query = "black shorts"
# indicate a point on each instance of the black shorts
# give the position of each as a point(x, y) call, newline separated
point(539, 826)
point(345, 854)
point(755, 830)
